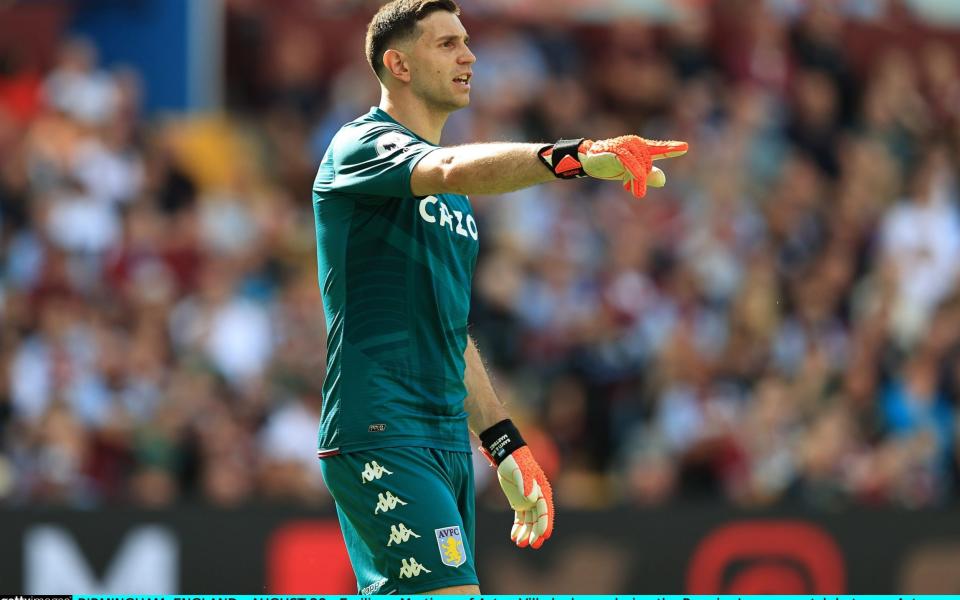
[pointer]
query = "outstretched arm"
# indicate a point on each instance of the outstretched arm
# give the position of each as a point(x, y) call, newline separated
point(479, 169)
point(506, 167)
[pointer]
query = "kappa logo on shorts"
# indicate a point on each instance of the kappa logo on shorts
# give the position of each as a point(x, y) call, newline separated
point(372, 470)
point(373, 588)
point(450, 542)
point(412, 568)
point(387, 503)
point(398, 535)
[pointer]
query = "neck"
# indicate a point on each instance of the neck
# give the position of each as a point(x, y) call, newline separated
point(414, 114)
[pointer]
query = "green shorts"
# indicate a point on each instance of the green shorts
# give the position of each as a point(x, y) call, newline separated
point(407, 516)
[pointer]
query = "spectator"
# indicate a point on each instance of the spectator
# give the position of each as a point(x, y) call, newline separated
point(779, 323)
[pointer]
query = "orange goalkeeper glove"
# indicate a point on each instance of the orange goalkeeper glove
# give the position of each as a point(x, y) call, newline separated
point(628, 159)
point(523, 483)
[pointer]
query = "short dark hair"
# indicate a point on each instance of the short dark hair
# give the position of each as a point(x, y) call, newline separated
point(396, 21)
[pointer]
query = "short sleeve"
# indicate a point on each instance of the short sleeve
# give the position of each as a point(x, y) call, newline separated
point(375, 160)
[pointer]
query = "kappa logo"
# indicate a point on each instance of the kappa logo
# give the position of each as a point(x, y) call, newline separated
point(373, 588)
point(391, 141)
point(387, 503)
point(398, 535)
point(412, 568)
point(372, 470)
point(450, 542)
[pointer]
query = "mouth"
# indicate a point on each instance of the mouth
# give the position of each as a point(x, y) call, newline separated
point(463, 81)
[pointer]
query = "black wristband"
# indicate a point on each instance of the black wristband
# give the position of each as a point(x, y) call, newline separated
point(501, 440)
point(563, 158)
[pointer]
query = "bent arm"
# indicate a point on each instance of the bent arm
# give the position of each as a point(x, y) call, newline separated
point(479, 169)
point(483, 407)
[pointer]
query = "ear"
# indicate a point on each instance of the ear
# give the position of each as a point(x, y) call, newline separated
point(396, 63)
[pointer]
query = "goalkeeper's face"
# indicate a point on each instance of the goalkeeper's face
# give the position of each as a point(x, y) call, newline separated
point(441, 63)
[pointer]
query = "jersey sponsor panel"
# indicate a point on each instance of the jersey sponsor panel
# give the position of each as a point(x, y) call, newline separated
point(465, 226)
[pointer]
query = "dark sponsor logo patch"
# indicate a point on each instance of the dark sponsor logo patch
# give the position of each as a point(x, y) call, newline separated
point(377, 427)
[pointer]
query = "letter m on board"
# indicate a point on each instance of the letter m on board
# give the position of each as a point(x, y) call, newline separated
point(146, 562)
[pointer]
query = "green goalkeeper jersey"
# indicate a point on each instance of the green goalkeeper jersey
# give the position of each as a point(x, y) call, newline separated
point(395, 274)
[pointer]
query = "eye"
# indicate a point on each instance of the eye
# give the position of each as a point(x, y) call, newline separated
point(448, 44)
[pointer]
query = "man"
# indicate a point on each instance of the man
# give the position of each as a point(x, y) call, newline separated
point(396, 247)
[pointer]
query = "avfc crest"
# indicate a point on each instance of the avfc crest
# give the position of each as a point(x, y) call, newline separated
point(391, 141)
point(450, 541)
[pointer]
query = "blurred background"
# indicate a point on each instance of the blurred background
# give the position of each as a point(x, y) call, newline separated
point(757, 366)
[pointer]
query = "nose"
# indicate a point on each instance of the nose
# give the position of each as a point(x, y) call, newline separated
point(468, 57)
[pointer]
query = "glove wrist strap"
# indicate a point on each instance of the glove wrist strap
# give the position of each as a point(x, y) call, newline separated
point(501, 440)
point(563, 159)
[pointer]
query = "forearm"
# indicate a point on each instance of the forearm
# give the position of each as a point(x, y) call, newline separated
point(483, 407)
point(480, 169)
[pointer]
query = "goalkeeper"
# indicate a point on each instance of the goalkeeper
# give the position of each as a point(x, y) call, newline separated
point(396, 248)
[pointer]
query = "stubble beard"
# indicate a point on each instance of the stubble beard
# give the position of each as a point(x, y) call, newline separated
point(440, 103)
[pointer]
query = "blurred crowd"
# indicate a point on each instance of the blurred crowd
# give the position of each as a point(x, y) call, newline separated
point(781, 323)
